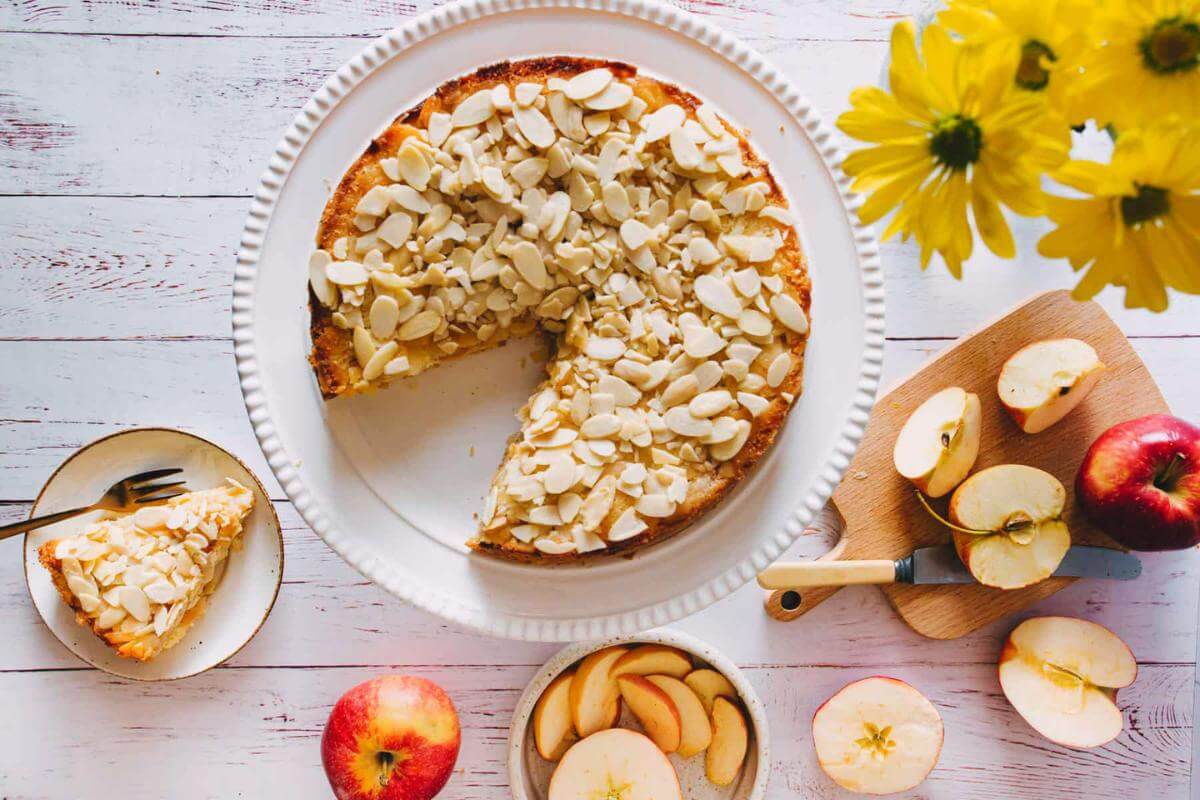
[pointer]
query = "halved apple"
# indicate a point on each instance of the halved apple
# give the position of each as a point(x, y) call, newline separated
point(730, 738)
point(1040, 383)
point(709, 684)
point(594, 696)
point(939, 443)
point(653, 659)
point(654, 709)
point(553, 730)
point(1008, 527)
point(695, 731)
point(1062, 675)
point(616, 763)
point(877, 736)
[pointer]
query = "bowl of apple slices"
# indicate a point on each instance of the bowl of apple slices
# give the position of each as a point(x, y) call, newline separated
point(658, 715)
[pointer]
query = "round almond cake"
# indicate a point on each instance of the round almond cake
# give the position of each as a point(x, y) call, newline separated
point(615, 215)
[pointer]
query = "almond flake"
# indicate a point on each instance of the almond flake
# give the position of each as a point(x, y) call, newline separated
point(716, 295)
point(789, 312)
point(626, 526)
point(588, 84)
point(474, 110)
point(614, 96)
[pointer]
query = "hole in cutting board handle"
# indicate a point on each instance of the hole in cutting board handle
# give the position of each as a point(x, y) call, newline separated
point(790, 600)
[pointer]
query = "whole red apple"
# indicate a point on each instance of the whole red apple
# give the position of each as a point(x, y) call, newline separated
point(1140, 483)
point(392, 738)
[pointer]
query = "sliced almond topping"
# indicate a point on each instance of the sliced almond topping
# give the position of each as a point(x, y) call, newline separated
point(534, 126)
point(601, 426)
point(701, 342)
point(634, 234)
point(626, 526)
point(439, 128)
point(364, 346)
point(789, 312)
point(716, 295)
point(781, 365)
point(614, 96)
point(385, 313)
point(413, 167)
point(474, 110)
point(374, 367)
point(598, 502)
point(655, 505)
point(659, 124)
point(709, 404)
point(616, 201)
point(529, 263)
point(680, 390)
point(681, 421)
point(588, 84)
point(754, 323)
point(684, 150)
point(604, 349)
point(420, 325)
point(526, 93)
point(318, 279)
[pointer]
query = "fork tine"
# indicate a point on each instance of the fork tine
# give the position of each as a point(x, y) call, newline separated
point(158, 499)
point(152, 475)
point(142, 491)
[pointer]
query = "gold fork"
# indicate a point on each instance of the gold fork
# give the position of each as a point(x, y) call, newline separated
point(127, 494)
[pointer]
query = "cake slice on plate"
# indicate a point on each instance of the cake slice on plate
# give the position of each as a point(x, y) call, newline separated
point(140, 581)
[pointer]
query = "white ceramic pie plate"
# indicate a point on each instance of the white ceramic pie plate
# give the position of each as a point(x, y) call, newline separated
point(248, 586)
point(392, 481)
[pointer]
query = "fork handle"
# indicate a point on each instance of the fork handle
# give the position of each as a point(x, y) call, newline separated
point(26, 525)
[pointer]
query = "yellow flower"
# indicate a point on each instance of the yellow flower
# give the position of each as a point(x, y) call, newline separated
point(1139, 225)
point(954, 132)
point(1042, 35)
point(1144, 65)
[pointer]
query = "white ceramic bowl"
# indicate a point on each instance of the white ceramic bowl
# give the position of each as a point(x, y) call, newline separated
point(248, 587)
point(391, 481)
point(529, 773)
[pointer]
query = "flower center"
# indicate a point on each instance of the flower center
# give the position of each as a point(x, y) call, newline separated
point(1172, 45)
point(1148, 204)
point(1031, 72)
point(956, 141)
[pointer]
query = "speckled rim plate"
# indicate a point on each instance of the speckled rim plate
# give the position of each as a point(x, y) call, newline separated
point(523, 759)
point(248, 587)
point(399, 515)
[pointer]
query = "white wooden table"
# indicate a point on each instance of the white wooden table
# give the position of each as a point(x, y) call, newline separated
point(131, 135)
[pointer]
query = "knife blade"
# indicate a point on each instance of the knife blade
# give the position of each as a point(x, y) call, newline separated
point(938, 565)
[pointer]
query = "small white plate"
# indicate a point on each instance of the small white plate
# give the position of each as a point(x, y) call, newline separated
point(247, 589)
point(393, 481)
point(529, 773)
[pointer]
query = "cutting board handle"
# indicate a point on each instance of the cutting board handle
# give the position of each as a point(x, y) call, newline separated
point(787, 604)
point(799, 574)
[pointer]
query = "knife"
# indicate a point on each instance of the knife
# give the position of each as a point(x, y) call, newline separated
point(937, 565)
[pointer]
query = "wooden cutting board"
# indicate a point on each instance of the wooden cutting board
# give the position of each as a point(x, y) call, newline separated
point(884, 519)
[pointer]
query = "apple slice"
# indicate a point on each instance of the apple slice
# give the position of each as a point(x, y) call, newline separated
point(1040, 383)
point(616, 763)
point(709, 684)
point(653, 659)
point(877, 736)
point(730, 738)
point(1062, 675)
point(695, 731)
point(1008, 526)
point(939, 443)
point(594, 697)
point(553, 731)
point(654, 709)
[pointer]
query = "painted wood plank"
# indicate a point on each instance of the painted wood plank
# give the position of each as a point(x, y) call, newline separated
point(72, 392)
point(759, 20)
point(165, 115)
point(323, 601)
point(255, 733)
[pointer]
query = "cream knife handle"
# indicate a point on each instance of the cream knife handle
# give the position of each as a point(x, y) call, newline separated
point(798, 574)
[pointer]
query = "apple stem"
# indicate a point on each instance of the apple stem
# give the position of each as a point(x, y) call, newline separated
point(946, 522)
point(1169, 477)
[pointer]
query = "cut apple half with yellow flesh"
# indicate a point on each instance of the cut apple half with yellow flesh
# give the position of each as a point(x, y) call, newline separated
point(1008, 527)
point(654, 709)
point(695, 731)
point(653, 659)
point(939, 443)
point(616, 763)
point(730, 739)
point(1041, 383)
point(594, 696)
point(877, 736)
point(708, 684)
point(1062, 675)
point(553, 730)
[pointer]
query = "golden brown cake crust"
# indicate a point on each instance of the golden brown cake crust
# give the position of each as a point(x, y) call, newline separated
point(332, 355)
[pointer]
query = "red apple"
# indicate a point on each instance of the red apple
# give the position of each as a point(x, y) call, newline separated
point(1140, 483)
point(392, 738)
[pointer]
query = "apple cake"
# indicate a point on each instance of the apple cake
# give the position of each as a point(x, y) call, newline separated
point(141, 580)
point(628, 223)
